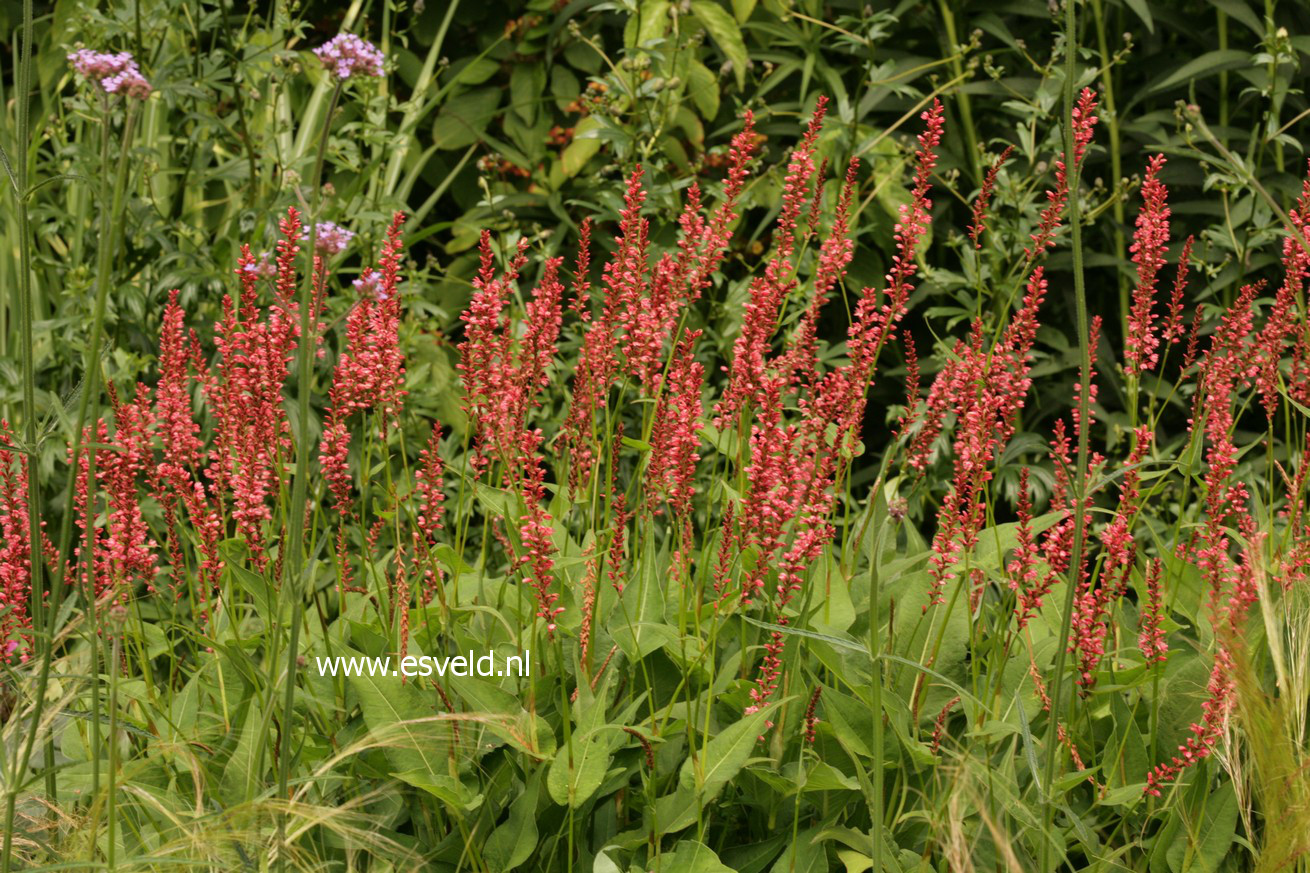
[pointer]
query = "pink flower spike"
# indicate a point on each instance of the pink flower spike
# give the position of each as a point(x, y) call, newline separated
point(1149, 243)
point(985, 198)
point(1152, 638)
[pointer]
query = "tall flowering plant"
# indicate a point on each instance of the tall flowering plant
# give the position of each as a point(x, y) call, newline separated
point(698, 511)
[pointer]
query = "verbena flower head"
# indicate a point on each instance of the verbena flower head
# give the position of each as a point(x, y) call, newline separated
point(100, 65)
point(331, 239)
point(114, 73)
point(347, 54)
point(262, 268)
point(369, 284)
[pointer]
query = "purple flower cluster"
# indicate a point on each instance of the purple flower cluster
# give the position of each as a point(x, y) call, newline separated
point(369, 284)
point(331, 239)
point(115, 73)
point(346, 54)
point(262, 268)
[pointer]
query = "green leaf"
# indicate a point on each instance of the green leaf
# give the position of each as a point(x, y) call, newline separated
point(582, 148)
point(402, 719)
point(1207, 64)
point(254, 584)
point(814, 635)
point(1240, 10)
point(754, 857)
point(1127, 795)
point(527, 88)
point(513, 842)
point(742, 9)
point(447, 789)
point(831, 608)
point(1143, 11)
point(463, 119)
point(995, 542)
point(476, 71)
point(726, 33)
point(650, 23)
point(690, 856)
point(1204, 842)
point(675, 811)
point(824, 777)
point(239, 775)
point(806, 854)
point(639, 445)
point(850, 720)
point(577, 772)
point(724, 756)
point(637, 624)
point(855, 862)
point(703, 88)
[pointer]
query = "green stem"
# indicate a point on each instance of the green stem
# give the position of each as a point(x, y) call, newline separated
point(24, 755)
point(111, 817)
point(111, 202)
point(1116, 163)
point(1080, 473)
point(295, 555)
point(875, 645)
point(1223, 74)
point(962, 98)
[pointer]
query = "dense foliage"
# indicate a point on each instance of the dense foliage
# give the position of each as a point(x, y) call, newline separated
point(883, 430)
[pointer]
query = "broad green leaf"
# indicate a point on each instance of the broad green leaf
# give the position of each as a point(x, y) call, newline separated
point(529, 733)
point(824, 777)
point(605, 864)
point(639, 640)
point(832, 609)
point(690, 856)
point(723, 757)
point(1142, 10)
point(482, 695)
point(402, 720)
point(651, 22)
point(726, 33)
point(577, 771)
point(840, 643)
point(258, 587)
point(527, 89)
point(851, 721)
point(564, 86)
point(1203, 842)
point(805, 854)
point(742, 9)
point(754, 858)
point(463, 119)
point(675, 811)
point(703, 88)
point(239, 776)
point(513, 842)
point(1127, 795)
point(637, 623)
point(583, 146)
point(1240, 10)
point(447, 789)
point(1207, 64)
point(476, 71)
point(853, 861)
point(995, 542)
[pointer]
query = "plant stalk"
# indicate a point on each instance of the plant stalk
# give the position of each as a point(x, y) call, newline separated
point(44, 628)
point(295, 555)
point(1080, 473)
